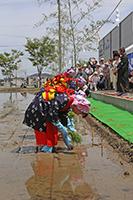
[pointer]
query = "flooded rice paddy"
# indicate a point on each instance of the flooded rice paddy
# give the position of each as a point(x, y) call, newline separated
point(92, 171)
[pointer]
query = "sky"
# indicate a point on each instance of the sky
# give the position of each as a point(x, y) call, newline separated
point(18, 19)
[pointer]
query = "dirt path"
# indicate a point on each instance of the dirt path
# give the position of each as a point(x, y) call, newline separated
point(92, 171)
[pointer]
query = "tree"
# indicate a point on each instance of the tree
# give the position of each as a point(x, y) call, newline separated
point(9, 63)
point(42, 52)
point(83, 27)
point(78, 26)
point(59, 35)
point(59, 32)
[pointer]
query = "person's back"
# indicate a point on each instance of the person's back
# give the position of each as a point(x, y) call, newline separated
point(101, 82)
point(93, 80)
point(122, 81)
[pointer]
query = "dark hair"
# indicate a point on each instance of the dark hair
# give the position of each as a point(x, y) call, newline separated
point(122, 49)
point(110, 60)
point(116, 53)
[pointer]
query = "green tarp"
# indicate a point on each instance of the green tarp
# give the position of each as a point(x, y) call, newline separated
point(119, 120)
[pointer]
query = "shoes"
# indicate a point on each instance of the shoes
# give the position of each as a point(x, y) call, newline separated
point(54, 150)
point(46, 149)
point(124, 94)
point(121, 94)
point(38, 149)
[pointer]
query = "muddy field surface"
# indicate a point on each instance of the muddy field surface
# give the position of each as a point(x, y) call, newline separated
point(92, 171)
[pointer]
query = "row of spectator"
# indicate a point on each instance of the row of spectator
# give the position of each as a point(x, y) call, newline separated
point(108, 75)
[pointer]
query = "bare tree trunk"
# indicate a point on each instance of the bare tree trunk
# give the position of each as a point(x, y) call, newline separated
point(10, 80)
point(63, 52)
point(59, 34)
point(72, 60)
point(40, 79)
point(39, 76)
point(73, 35)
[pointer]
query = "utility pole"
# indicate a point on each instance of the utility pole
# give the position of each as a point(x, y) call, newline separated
point(117, 19)
point(16, 78)
point(59, 35)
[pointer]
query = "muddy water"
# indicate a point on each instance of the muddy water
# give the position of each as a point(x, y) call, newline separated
point(103, 168)
point(92, 171)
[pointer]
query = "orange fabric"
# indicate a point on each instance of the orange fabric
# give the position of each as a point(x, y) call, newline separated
point(49, 138)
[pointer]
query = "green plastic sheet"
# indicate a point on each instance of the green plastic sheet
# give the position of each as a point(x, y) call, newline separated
point(121, 121)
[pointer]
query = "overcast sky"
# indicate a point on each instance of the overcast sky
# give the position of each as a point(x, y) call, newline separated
point(18, 17)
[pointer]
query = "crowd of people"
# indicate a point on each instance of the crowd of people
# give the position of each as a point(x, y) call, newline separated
point(113, 74)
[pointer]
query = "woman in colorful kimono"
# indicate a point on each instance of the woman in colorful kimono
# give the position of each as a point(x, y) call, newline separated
point(43, 116)
point(47, 114)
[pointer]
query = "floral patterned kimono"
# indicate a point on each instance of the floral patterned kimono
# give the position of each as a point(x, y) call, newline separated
point(46, 118)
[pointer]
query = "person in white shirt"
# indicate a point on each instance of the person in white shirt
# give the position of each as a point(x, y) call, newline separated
point(93, 80)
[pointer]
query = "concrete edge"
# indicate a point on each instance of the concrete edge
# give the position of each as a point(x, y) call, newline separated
point(116, 101)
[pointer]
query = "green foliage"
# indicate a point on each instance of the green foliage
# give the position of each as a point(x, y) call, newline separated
point(71, 114)
point(79, 30)
point(76, 138)
point(9, 62)
point(42, 51)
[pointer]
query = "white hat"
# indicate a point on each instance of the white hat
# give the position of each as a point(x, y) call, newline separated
point(96, 73)
point(85, 65)
point(101, 74)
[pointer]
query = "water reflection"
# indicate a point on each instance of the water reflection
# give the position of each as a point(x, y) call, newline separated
point(12, 99)
point(58, 178)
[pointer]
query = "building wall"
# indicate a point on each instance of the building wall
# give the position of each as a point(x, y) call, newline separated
point(107, 46)
point(127, 31)
point(120, 36)
point(115, 39)
point(101, 48)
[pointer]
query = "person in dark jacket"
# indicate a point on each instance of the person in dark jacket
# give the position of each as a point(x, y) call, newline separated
point(122, 70)
point(101, 82)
